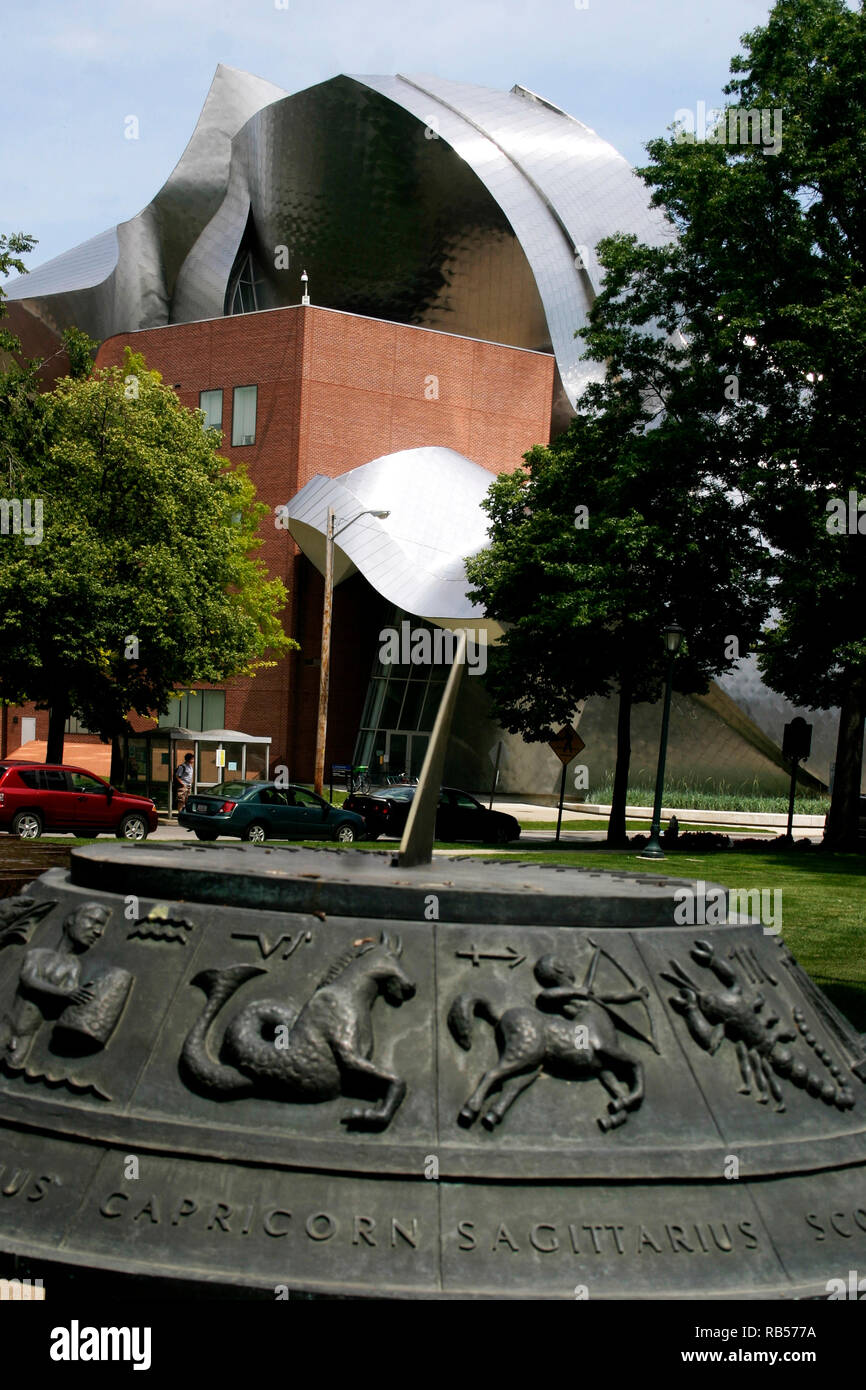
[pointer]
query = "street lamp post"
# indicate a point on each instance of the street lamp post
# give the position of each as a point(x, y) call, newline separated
point(673, 635)
point(325, 664)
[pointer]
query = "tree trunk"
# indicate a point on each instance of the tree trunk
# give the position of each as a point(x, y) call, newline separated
point(115, 776)
point(844, 818)
point(616, 832)
point(57, 730)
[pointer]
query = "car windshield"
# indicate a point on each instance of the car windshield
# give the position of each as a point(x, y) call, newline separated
point(235, 790)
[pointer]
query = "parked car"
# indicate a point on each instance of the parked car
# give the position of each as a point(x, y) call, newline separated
point(459, 816)
point(50, 796)
point(259, 811)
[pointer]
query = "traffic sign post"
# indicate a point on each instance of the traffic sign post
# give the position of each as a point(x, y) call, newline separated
point(796, 744)
point(566, 745)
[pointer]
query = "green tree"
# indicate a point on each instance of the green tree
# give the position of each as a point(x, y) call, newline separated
point(610, 534)
point(767, 286)
point(81, 350)
point(12, 248)
point(144, 577)
point(748, 332)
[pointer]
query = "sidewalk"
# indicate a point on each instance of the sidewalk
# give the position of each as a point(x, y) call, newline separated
point(737, 823)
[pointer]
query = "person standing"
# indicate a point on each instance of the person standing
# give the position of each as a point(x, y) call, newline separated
point(183, 781)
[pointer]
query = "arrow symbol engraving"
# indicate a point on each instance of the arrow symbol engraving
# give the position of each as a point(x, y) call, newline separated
point(511, 954)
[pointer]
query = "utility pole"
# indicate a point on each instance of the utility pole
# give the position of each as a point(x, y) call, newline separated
point(325, 663)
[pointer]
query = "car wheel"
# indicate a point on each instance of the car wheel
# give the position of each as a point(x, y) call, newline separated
point(27, 825)
point(205, 834)
point(345, 834)
point(256, 833)
point(502, 835)
point(133, 827)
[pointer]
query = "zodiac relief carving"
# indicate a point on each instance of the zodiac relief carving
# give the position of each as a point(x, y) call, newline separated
point(161, 924)
point(317, 1053)
point(573, 1032)
point(81, 1001)
point(738, 1013)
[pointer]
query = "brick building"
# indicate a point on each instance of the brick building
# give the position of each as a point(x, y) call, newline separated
point(324, 392)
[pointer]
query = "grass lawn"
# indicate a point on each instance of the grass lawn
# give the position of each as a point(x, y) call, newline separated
point(633, 826)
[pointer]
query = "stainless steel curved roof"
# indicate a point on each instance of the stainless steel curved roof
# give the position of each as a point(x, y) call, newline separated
point(560, 185)
point(409, 198)
point(415, 556)
point(124, 278)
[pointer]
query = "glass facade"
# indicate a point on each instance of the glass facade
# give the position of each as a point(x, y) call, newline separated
point(399, 711)
point(196, 710)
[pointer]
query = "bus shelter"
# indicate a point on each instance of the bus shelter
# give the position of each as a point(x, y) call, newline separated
point(221, 755)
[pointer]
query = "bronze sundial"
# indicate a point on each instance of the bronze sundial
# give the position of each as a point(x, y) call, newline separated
point(338, 1074)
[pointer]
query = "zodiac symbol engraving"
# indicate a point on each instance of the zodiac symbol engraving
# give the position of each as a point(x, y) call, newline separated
point(161, 925)
point(581, 1044)
point(266, 949)
point(737, 1012)
point(323, 1051)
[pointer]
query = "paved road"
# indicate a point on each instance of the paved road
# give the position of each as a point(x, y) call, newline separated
point(170, 831)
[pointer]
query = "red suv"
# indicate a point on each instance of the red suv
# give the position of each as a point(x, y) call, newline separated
point(36, 797)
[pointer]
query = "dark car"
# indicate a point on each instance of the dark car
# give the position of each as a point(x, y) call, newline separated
point(51, 796)
point(459, 816)
point(259, 811)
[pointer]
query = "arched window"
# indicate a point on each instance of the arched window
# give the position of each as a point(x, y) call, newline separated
point(243, 296)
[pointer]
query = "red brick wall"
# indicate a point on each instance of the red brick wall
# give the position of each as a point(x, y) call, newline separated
point(335, 391)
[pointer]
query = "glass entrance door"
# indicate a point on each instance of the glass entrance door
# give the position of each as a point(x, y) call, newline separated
point(418, 753)
point(396, 749)
point(404, 753)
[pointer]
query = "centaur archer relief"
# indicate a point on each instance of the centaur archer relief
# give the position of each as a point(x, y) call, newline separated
point(583, 1042)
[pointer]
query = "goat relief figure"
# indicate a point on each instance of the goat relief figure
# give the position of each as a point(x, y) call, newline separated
point(317, 1053)
point(572, 1032)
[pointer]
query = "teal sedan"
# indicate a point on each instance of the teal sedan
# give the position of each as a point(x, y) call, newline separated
point(259, 811)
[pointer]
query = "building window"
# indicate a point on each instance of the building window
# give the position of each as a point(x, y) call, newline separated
point(244, 415)
point(74, 725)
point(401, 707)
point(196, 710)
point(210, 403)
point(245, 291)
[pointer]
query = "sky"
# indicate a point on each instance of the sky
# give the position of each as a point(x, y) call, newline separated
point(75, 70)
